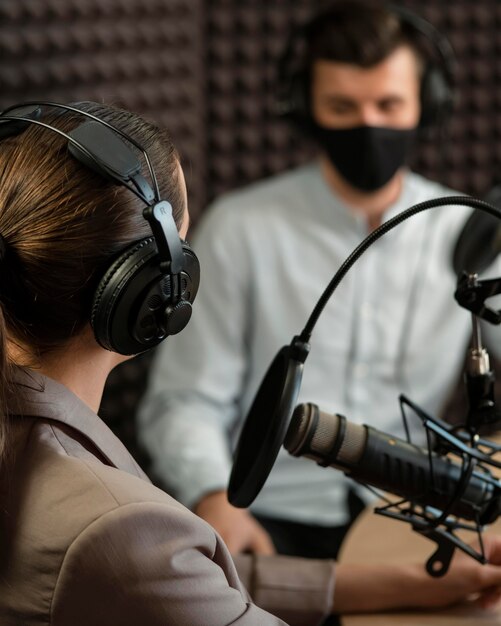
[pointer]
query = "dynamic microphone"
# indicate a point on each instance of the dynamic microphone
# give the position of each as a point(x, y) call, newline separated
point(370, 456)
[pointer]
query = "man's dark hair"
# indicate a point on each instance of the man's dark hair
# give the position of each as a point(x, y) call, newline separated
point(359, 32)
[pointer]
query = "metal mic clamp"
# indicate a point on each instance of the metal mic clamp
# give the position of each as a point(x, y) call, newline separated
point(479, 378)
point(472, 293)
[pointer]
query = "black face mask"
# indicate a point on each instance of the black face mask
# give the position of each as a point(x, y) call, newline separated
point(367, 157)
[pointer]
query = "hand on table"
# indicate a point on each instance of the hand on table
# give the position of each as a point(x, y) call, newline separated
point(362, 588)
point(467, 577)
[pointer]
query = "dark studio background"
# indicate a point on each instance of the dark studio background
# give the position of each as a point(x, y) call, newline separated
point(206, 70)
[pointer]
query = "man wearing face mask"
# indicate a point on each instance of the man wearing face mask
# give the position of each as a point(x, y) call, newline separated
point(269, 251)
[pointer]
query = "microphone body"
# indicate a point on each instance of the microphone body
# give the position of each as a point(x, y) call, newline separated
point(370, 456)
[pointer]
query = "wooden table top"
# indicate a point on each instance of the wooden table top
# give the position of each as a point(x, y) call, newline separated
point(376, 539)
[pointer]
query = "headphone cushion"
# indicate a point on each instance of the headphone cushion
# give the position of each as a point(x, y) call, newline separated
point(111, 286)
point(123, 294)
point(436, 97)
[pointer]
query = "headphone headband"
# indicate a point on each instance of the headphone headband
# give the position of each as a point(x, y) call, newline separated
point(441, 44)
point(35, 107)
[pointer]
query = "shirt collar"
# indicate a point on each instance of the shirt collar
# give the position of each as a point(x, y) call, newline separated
point(329, 198)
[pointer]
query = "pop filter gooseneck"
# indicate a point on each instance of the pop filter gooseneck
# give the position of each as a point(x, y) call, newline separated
point(270, 414)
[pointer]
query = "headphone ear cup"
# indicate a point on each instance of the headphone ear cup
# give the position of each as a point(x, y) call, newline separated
point(165, 306)
point(436, 98)
point(297, 106)
point(136, 306)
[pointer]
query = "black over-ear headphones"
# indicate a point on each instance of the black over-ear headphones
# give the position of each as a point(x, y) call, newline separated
point(437, 83)
point(147, 292)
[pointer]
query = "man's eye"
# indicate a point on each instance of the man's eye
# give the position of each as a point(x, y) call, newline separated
point(390, 105)
point(341, 108)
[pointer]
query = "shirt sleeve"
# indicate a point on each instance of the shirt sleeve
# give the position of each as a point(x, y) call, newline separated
point(192, 401)
point(144, 563)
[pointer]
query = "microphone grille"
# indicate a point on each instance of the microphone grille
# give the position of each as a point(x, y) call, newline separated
point(314, 433)
point(353, 442)
point(353, 445)
point(311, 433)
point(325, 433)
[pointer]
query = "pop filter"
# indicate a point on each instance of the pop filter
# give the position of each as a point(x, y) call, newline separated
point(267, 422)
point(479, 243)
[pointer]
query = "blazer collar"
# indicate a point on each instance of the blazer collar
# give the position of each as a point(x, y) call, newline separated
point(43, 397)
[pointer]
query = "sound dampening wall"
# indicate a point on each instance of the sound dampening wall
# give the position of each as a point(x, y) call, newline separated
point(206, 69)
point(146, 56)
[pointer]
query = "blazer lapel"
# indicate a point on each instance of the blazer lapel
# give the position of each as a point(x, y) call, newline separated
point(45, 398)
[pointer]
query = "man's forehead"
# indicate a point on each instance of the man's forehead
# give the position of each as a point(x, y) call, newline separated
point(398, 62)
point(399, 70)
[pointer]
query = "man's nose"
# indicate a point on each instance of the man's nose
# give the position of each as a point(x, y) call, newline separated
point(370, 115)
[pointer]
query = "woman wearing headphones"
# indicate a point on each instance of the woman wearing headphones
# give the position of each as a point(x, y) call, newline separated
point(85, 539)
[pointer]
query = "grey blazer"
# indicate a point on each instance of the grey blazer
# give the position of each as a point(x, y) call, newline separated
point(87, 540)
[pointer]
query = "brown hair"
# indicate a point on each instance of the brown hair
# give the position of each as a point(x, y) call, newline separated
point(359, 32)
point(62, 224)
